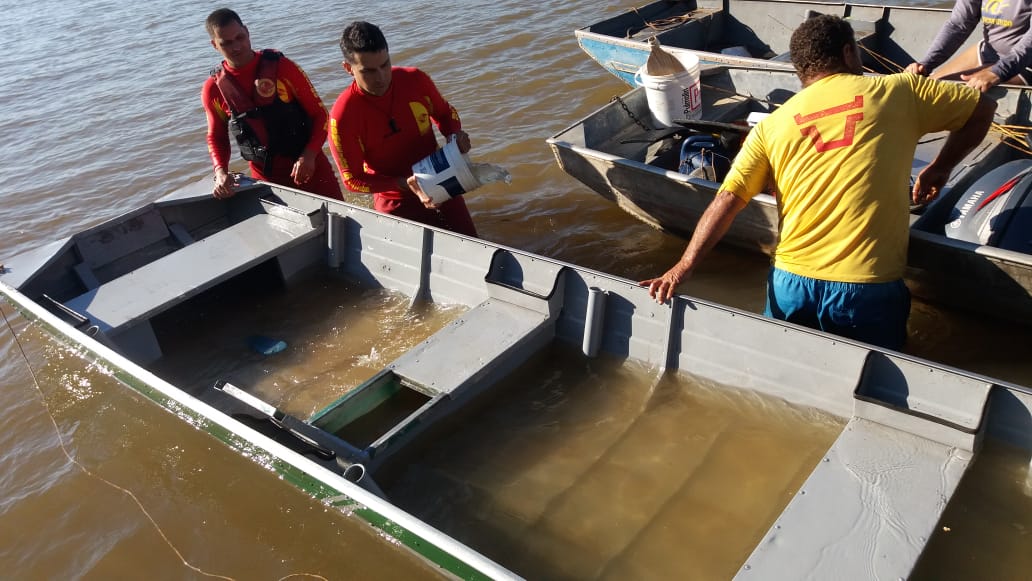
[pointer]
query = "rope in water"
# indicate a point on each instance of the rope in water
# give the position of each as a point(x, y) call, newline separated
point(91, 474)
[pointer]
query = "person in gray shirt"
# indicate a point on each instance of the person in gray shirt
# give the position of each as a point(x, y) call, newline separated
point(1003, 55)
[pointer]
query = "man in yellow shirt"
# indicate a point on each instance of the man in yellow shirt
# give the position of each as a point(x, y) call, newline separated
point(838, 153)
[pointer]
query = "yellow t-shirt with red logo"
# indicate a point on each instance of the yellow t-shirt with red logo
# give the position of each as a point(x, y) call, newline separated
point(840, 153)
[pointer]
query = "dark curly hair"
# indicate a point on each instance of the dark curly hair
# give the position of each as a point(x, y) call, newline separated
point(360, 36)
point(816, 46)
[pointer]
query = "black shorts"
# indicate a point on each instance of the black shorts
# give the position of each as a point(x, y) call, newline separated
point(987, 55)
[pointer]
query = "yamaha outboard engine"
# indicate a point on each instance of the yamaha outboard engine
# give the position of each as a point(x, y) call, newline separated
point(997, 209)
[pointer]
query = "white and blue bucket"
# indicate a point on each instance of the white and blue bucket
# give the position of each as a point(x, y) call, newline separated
point(673, 97)
point(445, 174)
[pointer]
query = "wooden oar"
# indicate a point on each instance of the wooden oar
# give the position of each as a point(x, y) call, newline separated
point(660, 62)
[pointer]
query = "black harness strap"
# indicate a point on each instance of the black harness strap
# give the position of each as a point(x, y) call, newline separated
point(242, 102)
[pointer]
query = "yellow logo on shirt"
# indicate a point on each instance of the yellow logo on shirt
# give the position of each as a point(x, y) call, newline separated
point(991, 10)
point(994, 7)
point(421, 115)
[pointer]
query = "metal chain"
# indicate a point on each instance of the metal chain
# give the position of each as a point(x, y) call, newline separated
point(629, 114)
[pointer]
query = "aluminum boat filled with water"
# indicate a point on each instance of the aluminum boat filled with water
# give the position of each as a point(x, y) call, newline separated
point(508, 501)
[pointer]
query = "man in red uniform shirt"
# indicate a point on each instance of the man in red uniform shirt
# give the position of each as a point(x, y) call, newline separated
point(381, 125)
point(271, 108)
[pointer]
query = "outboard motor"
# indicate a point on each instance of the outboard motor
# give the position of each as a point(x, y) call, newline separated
point(997, 209)
point(705, 156)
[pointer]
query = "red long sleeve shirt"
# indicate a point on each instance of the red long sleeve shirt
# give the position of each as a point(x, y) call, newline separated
point(291, 83)
point(370, 154)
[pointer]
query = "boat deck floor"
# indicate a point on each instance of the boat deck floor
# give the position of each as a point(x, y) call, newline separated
point(591, 468)
point(326, 356)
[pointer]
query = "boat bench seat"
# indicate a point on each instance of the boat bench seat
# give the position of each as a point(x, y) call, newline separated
point(517, 319)
point(133, 298)
point(452, 367)
point(882, 487)
point(491, 334)
point(457, 364)
point(872, 485)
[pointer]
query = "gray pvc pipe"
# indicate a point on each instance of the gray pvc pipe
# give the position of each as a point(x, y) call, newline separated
point(332, 240)
point(594, 316)
point(357, 473)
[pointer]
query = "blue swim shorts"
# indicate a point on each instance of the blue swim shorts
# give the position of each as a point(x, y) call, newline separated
point(874, 313)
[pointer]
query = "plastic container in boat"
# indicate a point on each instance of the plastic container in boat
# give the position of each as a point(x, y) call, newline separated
point(673, 97)
point(445, 174)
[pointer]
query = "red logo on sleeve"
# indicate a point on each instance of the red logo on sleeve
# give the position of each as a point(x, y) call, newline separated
point(848, 134)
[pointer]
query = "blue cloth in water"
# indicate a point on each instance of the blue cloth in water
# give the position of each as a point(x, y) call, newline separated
point(265, 345)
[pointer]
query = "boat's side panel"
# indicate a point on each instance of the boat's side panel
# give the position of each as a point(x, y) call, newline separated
point(717, 344)
point(385, 252)
point(44, 269)
point(379, 250)
point(970, 277)
point(903, 33)
point(458, 267)
point(743, 349)
point(665, 200)
point(633, 325)
point(894, 35)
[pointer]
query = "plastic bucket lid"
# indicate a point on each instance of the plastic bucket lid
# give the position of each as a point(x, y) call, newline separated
point(445, 174)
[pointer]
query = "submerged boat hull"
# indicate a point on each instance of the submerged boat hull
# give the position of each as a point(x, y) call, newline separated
point(894, 406)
